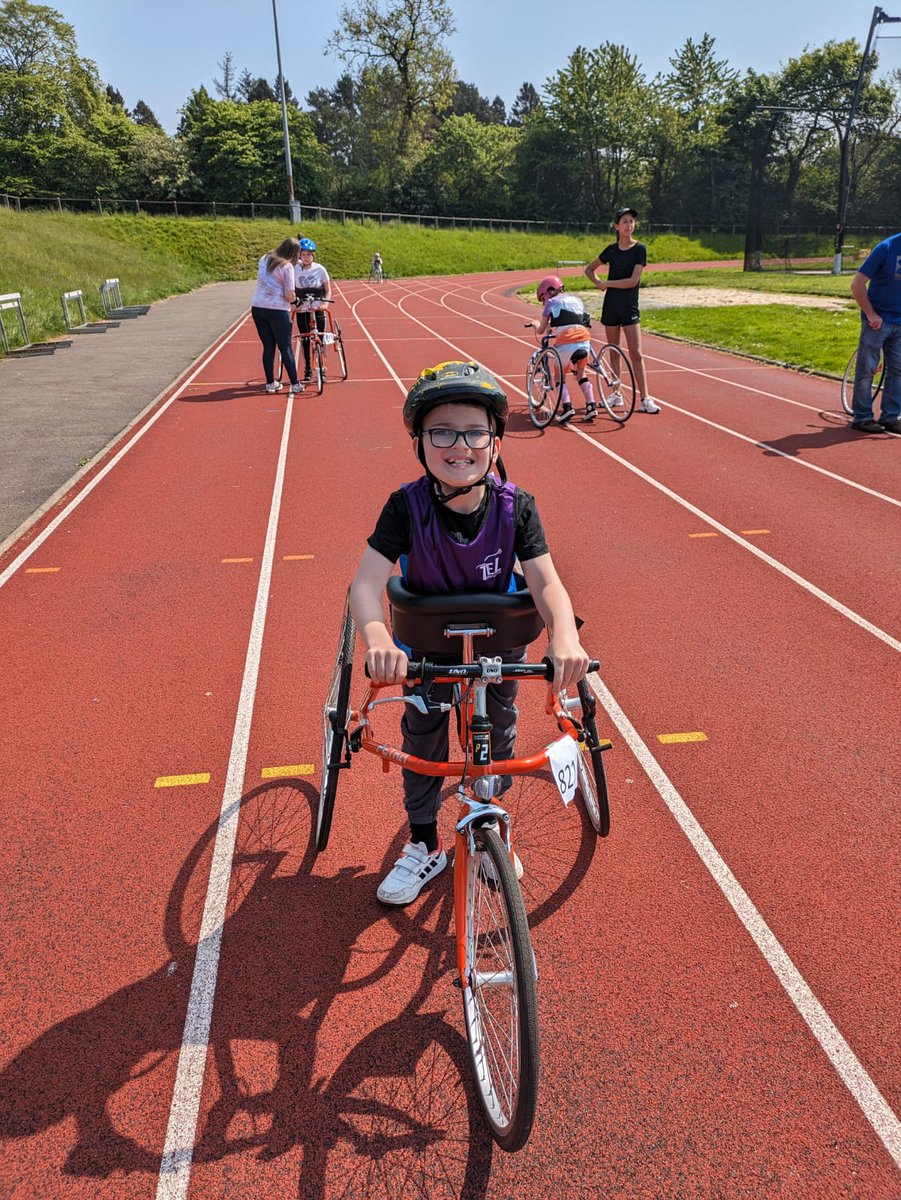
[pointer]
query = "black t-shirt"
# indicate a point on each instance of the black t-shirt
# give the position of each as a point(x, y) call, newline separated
point(393, 533)
point(621, 264)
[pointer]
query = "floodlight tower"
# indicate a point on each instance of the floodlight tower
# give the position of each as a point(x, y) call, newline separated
point(293, 205)
point(879, 18)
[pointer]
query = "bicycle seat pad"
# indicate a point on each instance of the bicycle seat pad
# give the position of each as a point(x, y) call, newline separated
point(420, 621)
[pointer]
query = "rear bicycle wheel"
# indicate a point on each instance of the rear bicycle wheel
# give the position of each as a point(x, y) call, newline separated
point(848, 382)
point(339, 350)
point(544, 386)
point(334, 728)
point(615, 382)
point(592, 776)
point(281, 374)
point(500, 1003)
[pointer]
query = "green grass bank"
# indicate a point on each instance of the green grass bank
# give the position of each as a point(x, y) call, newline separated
point(43, 254)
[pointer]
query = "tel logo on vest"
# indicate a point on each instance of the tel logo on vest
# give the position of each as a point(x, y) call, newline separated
point(490, 567)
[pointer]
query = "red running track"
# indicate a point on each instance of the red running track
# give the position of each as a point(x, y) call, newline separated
point(194, 1006)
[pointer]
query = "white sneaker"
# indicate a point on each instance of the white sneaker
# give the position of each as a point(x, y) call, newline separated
point(409, 875)
point(647, 405)
point(616, 401)
point(274, 387)
point(295, 388)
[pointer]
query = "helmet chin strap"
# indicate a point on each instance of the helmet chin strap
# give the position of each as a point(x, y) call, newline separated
point(444, 497)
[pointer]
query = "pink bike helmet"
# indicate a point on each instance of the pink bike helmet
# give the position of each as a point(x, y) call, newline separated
point(549, 281)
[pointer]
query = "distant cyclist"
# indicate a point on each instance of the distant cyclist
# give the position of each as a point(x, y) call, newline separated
point(312, 285)
point(566, 316)
point(375, 271)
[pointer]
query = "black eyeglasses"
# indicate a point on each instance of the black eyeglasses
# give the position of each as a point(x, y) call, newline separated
point(475, 439)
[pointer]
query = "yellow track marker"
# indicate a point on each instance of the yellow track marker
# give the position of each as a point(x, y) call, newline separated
point(181, 780)
point(297, 557)
point(669, 739)
point(747, 532)
point(236, 560)
point(41, 570)
point(287, 772)
point(698, 535)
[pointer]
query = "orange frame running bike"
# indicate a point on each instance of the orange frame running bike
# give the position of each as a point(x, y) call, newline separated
point(496, 968)
point(320, 341)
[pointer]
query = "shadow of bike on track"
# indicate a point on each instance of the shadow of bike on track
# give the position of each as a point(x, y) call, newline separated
point(398, 1112)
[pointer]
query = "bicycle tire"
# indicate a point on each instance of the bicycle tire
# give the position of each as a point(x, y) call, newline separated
point(500, 1002)
point(848, 382)
point(318, 367)
point(615, 382)
point(544, 386)
point(334, 728)
point(339, 350)
point(593, 783)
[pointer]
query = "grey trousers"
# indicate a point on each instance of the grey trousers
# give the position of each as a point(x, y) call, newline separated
point(426, 736)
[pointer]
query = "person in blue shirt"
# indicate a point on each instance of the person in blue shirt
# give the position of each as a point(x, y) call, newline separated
point(877, 289)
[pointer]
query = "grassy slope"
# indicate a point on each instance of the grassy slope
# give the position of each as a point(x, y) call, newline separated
point(43, 254)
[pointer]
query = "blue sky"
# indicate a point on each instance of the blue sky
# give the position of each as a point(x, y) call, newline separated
point(160, 50)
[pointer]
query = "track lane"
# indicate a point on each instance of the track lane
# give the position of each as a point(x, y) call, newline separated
point(645, 1120)
point(361, 849)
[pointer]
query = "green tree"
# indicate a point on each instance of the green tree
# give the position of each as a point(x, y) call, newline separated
point(235, 151)
point(597, 102)
point(405, 38)
point(526, 104)
point(467, 169)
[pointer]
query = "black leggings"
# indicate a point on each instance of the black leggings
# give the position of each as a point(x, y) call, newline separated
point(274, 327)
point(305, 325)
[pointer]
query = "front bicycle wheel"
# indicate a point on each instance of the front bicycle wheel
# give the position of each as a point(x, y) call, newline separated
point(544, 386)
point(848, 382)
point(339, 350)
point(334, 728)
point(500, 1003)
point(615, 382)
point(318, 366)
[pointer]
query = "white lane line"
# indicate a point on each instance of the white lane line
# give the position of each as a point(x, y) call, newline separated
point(848, 1066)
point(835, 605)
point(792, 458)
point(102, 474)
point(745, 387)
point(812, 588)
point(178, 1150)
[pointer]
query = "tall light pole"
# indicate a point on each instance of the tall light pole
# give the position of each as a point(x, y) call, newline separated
point(293, 205)
point(879, 17)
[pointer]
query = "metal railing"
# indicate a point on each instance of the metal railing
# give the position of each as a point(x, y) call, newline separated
point(252, 210)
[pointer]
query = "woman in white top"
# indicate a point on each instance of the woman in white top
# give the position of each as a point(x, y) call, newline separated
point(271, 309)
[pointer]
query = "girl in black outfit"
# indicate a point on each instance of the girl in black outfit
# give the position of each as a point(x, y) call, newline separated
point(625, 259)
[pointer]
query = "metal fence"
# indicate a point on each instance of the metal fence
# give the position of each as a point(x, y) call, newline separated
point(251, 210)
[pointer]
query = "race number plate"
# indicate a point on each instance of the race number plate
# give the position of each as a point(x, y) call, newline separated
point(327, 339)
point(563, 756)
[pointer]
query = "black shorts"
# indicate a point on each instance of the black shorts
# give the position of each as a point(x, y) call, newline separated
point(619, 309)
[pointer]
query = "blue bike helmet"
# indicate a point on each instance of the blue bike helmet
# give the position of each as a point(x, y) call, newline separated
point(308, 244)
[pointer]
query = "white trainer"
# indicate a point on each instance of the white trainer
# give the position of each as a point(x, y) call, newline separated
point(616, 401)
point(274, 387)
point(296, 388)
point(409, 875)
point(647, 405)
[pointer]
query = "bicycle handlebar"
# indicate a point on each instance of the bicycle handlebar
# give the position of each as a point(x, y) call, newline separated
point(425, 670)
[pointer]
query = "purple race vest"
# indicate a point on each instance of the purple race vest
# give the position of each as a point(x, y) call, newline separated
point(437, 564)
